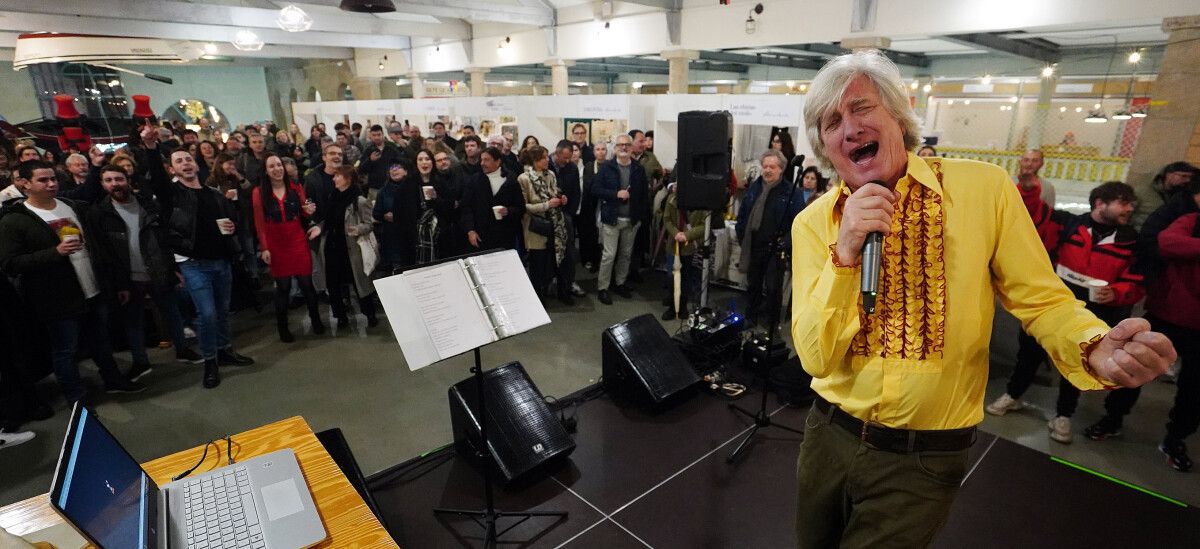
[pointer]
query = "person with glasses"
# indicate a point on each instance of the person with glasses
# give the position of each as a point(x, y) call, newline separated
point(579, 135)
point(623, 191)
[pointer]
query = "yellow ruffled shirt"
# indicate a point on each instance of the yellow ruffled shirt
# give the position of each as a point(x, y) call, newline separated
point(961, 237)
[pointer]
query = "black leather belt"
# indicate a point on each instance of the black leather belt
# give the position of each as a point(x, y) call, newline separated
point(901, 441)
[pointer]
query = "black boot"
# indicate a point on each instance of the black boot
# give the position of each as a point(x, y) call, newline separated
point(285, 335)
point(212, 377)
point(314, 315)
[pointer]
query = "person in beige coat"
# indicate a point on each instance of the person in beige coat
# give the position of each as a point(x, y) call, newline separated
point(547, 247)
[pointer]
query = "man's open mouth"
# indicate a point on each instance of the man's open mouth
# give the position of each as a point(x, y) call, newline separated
point(864, 153)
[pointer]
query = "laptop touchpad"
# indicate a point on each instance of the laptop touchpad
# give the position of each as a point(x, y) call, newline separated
point(282, 499)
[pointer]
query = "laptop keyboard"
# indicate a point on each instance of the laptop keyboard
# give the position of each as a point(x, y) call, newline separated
point(220, 514)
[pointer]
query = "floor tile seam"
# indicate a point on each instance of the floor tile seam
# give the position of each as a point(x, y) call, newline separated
point(689, 466)
point(978, 461)
point(581, 532)
point(581, 498)
point(630, 532)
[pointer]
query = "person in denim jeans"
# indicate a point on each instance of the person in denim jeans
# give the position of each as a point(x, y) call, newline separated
point(201, 233)
point(61, 265)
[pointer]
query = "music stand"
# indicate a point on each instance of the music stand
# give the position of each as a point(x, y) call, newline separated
point(488, 516)
point(778, 254)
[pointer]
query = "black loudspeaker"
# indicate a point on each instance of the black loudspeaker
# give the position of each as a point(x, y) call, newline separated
point(704, 159)
point(641, 362)
point(523, 434)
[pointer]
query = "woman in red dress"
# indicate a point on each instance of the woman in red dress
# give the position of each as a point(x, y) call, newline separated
point(281, 213)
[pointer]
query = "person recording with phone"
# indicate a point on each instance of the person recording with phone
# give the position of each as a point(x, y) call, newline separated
point(900, 389)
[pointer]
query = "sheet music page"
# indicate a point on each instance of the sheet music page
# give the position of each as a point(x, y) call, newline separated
point(434, 313)
point(508, 288)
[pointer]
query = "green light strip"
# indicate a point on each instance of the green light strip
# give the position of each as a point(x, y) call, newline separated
point(1119, 481)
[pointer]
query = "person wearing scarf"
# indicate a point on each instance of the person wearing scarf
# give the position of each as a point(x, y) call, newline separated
point(766, 206)
point(281, 215)
point(349, 218)
point(543, 199)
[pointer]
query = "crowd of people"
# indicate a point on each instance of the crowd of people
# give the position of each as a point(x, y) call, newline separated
point(188, 225)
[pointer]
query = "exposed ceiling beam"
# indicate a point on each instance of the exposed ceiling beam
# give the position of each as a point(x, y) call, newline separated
point(660, 4)
point(1041, 50)
point(763, 59)
point(231, 16)
point(533, 15)
point(897, 57)
point(31, 22)
point(660, 64)
point(531, 70)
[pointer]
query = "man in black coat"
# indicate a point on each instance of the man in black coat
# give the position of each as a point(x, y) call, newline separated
point(488, 195)
point(61, 262)
point(566, 174)
point(137, 236)
point(377, 158)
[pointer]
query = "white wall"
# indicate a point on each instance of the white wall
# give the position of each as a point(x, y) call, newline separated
point(17, 103)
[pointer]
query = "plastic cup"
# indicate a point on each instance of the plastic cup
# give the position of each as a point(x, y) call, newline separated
point(70, 238)
point(427, 190)
point(1094, 289)
point(498, 211)
point(221, 225)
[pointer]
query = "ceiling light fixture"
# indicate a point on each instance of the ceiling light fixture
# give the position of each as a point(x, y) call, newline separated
point(987, 80)
point(1078, 109)
point(915, 84)
point(1096, 117)
point(246, 40)
point(1139, 113)
point(950, 102)
point(1047, 71)
point(966, 101)
point(1122, 115)
point(210, 49)
point(803, 87)
point(1062, 109)
point(504, 43)
point(1013, 99)
point(751, 24)
point(294, 19)
point(383, 63)
point(927, 88)
point(1135, 57)
point(368, 6)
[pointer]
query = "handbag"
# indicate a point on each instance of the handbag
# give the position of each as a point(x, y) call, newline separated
point(369, 246)
point(541, 225)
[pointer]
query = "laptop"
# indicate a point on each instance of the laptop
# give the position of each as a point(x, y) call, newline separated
point(260, 503)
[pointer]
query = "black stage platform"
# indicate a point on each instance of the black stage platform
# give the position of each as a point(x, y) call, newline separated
point(661, 480)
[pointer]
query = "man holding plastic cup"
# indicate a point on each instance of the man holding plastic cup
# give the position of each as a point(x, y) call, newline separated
point(62, 271)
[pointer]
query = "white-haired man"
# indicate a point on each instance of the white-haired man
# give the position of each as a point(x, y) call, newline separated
point(900, 391)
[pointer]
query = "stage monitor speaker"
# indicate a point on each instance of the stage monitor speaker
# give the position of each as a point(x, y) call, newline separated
point(704, 159)
point(641, 362)
point(523, 434)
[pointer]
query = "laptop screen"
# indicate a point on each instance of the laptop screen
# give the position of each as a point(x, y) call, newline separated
point(101, 489)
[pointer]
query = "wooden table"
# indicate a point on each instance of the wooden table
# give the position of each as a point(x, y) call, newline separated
point(347, 519)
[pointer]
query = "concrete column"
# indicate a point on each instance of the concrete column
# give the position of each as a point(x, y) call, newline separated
point(558, 75)
point(1042, 112)
point(367, 88)
point(922, 104)
point(678, 68)
point(856, 43)
point(418, 85)
point(478, 85)
point(1171, 132)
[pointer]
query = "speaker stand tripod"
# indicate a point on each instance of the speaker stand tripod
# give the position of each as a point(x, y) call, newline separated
point(779, 254)
point(487, 517)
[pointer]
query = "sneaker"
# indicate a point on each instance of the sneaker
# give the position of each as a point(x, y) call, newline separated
point(1105, 428)
point(138, 371)
point(623, 291)
point(1004, 405)
point(227, 357)
point(669, 314)
point(603, 297)
point(1177, 456)
point(189, 333)
point(576, 290)
point(123, 386)
point(1060, 429)
point(8, 440)
point(188, 356)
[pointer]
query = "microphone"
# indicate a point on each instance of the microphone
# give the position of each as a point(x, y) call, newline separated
point(872, 259)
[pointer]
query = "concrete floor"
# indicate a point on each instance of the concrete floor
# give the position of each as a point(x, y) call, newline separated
point(358, 381)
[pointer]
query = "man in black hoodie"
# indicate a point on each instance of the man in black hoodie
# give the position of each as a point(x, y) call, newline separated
point(493, 204)
point(60, 262)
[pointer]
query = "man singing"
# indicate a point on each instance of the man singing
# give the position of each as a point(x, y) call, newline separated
point(900, 391)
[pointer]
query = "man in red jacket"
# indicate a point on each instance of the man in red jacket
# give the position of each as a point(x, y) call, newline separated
point(1173, 308)
point(1088, 250)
